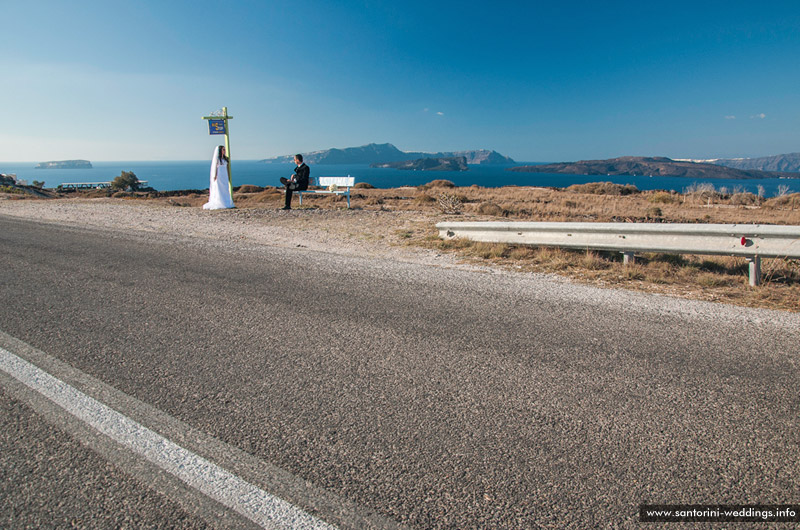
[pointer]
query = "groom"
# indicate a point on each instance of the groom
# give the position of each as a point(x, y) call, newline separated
point(297, 182)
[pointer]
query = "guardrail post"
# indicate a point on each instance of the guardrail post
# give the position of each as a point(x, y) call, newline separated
point(627, 258)
point(755, 270)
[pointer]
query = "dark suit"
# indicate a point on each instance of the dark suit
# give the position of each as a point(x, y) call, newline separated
point(299, 182)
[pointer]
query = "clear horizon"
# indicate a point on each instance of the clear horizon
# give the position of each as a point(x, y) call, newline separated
point(15, 162)
point(114, 81)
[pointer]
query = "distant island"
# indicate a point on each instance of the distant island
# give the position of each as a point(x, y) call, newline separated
point(785, 163)
point(456, 163)
point(650, 166)
point(386, 153)
point(65, 164)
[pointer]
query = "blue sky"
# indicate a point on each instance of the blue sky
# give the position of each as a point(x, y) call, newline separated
point(538, 81)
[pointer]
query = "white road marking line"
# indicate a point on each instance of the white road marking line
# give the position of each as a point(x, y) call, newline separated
point(223, 486)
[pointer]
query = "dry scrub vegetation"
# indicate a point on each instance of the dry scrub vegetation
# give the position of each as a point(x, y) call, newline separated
point(417, 209)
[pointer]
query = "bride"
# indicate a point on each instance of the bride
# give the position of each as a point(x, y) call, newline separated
point(219, 190)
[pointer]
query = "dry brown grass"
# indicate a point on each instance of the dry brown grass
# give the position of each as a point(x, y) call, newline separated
point(698, 277)
point(603, 188)
point(532, 204)
point(714, 278)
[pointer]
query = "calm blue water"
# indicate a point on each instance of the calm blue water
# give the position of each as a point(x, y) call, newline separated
point(194, 175)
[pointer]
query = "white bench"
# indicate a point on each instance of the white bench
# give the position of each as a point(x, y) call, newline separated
point(331, 186)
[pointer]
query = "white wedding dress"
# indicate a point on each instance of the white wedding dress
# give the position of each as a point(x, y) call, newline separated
point(219, 191)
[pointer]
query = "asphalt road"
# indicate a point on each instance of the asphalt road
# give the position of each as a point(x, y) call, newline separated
point(431, 397)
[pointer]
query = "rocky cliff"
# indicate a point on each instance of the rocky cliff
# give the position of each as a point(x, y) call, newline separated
point(483, 157)
point(787, 163)
point(456, 163)
point(655, 166)
point(385, 153)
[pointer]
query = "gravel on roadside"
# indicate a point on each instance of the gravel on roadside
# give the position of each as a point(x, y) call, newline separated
point(361, 233)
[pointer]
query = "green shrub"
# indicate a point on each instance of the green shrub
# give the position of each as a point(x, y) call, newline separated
point(126, 181)
point(248, 188)
point(662, 197)
point(604, 188)
point(490, 208)
point(743, 199)
point(783, 201)
point(654, 211)
point(424, 198)
point(440, 183)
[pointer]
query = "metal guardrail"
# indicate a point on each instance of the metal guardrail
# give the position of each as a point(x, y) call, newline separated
point(90, 185)
point(750, 241)
point(84, 185)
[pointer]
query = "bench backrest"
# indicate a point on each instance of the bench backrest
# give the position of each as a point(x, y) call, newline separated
point(344, 182)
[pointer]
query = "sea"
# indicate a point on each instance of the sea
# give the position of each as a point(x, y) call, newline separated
point(175, 175)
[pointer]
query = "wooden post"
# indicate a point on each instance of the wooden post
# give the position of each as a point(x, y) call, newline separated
point(228, 147)
point(225, 118)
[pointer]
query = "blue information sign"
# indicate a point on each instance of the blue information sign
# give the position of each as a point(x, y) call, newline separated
point(216, 127)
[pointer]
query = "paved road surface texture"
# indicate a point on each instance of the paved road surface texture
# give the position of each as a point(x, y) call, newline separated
point(372, 393)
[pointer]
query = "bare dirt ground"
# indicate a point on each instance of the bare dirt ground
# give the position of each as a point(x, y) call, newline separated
point(355, 232)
